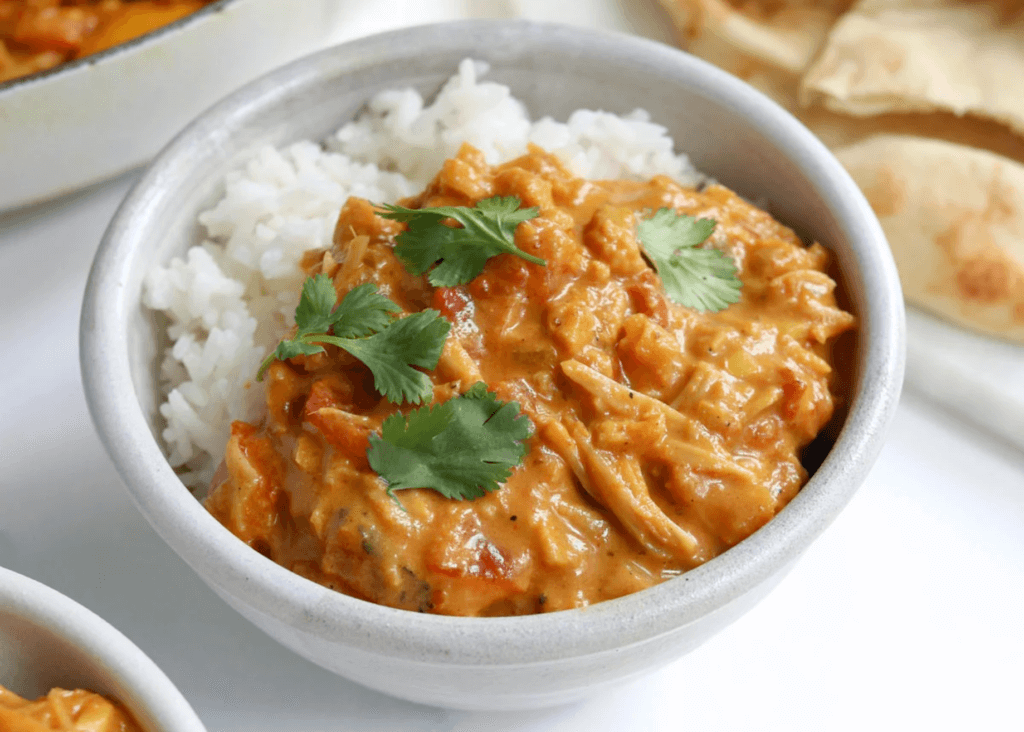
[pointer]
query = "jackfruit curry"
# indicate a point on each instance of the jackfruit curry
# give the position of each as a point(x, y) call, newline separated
point(63, 711)
point(662, 435)
point(36, 35)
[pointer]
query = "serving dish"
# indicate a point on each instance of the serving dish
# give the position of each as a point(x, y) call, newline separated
point(48, 640)
point(98, 116)
point(730, 131)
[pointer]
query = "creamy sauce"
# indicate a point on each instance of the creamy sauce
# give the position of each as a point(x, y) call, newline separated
point(39, 34)
point(663, 436)
point(63, 711)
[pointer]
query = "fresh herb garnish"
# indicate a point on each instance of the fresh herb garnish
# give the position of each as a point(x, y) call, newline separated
point(364, 325)
point(703, 279)
point(460, 448)
point(454, 256)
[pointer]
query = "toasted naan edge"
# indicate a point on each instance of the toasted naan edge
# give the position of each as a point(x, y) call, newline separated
point(954, 217)
point(838, 130)
point(964, 57)
point(786, 36)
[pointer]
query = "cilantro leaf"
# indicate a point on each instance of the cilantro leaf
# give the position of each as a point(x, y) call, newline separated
point(461, 448)
point(286, 350)
point(699, 278)
point(313, 314)
point(454, 256)
point(364, 325)
point(391, 354)
point(363, 311)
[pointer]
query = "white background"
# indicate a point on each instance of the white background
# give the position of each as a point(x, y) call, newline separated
point(908, 613)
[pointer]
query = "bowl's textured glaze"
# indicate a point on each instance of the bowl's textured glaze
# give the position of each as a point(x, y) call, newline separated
point(730, 131)
point(47, 640)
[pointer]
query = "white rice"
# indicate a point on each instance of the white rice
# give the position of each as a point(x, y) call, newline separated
point(234, 295)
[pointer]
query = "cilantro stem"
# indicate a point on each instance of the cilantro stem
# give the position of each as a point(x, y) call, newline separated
point(310, 339)
point(364, 325)
point(528, 257)
point(265, 366)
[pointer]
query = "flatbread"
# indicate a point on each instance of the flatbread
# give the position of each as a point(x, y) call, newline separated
point(779, 34)
point(923, 101)
point(954, 217)
point(957, 56)
point(838, 130)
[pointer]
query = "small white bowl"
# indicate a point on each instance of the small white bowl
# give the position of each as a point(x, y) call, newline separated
point(48, 640)
point(101, 115)
point(729, 130)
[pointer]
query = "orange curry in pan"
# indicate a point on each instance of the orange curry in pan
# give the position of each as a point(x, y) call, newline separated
point(662, 435)
point(63, 710)
point(39, 34)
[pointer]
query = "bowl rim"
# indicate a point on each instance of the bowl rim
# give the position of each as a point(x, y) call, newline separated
point(44, 607)
point(148, 38)
point(317, 611)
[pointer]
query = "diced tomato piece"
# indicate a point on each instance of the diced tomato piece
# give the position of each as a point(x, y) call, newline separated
point(473, 572)
point(321, 395)
point(476, 557)
point(454, 303)
point(343, 433)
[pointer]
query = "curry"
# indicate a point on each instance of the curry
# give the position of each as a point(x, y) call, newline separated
point(662, 436)
point(36, 35)
point(65, 711)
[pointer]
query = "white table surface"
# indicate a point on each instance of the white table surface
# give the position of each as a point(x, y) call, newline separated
point(908, 613)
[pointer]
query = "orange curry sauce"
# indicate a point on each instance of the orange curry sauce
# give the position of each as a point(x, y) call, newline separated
point(63, 710)
point(663, 436)
point(39, 34)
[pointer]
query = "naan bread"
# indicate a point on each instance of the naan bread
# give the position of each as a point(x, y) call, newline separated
point(749, 41)
point(959, 56)
point(747, 38)
point(923, 101)
point(954, 217)
point(838, 130)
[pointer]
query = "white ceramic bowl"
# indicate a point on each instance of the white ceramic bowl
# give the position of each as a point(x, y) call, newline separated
point(48, 640)
point(103, 114)
point(730, 131)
